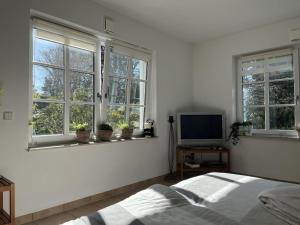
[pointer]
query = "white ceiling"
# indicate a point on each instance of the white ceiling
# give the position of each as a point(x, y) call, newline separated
point(199, 20)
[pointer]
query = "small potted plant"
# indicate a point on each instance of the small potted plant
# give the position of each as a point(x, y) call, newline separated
point(245, 128)
point(240, 129)
point(104, 132)
point(82, 132)
point(127, 130)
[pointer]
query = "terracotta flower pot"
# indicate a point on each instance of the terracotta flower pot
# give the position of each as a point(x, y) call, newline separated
point(127, 134)
point(104, 135)
point(83, 136)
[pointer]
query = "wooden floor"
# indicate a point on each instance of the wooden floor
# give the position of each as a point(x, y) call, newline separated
point(84, 210)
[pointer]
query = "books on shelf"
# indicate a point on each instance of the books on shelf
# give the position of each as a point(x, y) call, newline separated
point(192, 164)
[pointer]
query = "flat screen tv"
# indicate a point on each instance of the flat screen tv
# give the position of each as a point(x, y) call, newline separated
point(200, 129)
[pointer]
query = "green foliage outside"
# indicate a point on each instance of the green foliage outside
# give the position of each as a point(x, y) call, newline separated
point(280, 92)
point(116, 117)
point(48, 118)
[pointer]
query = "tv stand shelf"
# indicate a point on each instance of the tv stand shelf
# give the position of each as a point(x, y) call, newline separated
point(182, 152)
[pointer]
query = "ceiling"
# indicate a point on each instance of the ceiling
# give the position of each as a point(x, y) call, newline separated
point(199, 20)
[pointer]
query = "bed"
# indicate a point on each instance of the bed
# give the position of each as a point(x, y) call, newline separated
point(210, 199)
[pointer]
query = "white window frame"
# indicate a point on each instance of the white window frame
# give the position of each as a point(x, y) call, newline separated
point(131, 52)
point(267, 131)
point(100, 104)
point(66, 135)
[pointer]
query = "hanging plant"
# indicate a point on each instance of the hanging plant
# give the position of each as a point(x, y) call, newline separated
point(239, 129)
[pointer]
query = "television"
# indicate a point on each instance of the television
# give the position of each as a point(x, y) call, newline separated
point(200, 129)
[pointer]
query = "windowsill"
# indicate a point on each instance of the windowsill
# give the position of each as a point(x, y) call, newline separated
point(273, 136)
point(76, 144)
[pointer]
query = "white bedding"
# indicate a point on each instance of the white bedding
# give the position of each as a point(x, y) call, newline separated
point(211, 199)
point(283, 202)
point(235, 196)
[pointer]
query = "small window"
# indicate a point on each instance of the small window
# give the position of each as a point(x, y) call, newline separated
point(63, 81)
point(127, 84)
point(268, 91)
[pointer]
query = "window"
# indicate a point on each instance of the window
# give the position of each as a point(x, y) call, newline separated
point(127, 84)
point(69, 86)
point(268, 90)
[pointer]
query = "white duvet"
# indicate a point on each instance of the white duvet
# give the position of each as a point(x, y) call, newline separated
point(283, 202)
point(210, 199)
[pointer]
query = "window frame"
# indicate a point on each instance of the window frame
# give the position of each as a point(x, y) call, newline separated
point(67, 135)
point(100, 102)
point(130, 52)
point(267, 131)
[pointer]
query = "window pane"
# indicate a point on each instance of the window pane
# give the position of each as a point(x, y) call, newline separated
point(137, 92)
point(253, 67)
point(81, 114)
point(253, 77)
point(115, 115)
point(82, 87)
point(81, 59)
point(48, 118)
point(139, 69)
point(253, 94)
point(282, 92)
point(256, 115)
point(48, 52)
point(280, 67)
point(136, 116)
point(282, 118)
point(118, 64)
point(47, 83)
point(117, 90)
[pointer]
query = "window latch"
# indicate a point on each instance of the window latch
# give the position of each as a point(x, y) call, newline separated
point(297, 99)
point(99, 96)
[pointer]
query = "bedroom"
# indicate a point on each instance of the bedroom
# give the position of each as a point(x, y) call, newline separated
point(193, 69)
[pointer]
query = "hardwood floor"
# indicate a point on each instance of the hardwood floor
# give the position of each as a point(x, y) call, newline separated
point(84, 210)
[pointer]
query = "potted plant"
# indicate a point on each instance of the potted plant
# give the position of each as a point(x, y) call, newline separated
point(82, 132)
point(104, 132)
point(127, 130)
point(240, 129)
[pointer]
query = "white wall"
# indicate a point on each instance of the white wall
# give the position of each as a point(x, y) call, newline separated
point(213, 89)
point(51, 177)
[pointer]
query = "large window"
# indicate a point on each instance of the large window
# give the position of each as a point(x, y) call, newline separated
point(69, 85)
point(268, 90)
point(127, 84)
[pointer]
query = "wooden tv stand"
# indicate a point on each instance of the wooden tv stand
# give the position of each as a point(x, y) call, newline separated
point(182, 152)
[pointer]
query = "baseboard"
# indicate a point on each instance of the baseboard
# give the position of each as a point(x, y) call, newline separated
point(88, 200)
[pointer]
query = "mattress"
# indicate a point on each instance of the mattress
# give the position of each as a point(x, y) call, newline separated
point(210, 199)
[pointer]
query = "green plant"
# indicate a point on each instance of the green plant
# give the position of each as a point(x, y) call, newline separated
point(235, 131)
point(125, 126)
point(30, 123)
point(80, 126)
point(105, 126)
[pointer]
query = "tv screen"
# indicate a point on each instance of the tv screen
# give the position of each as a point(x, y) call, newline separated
point(201, 129)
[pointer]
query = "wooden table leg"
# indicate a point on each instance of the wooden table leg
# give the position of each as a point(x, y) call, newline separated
point(181, 165)
point(12, 204)
point(1, 200)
